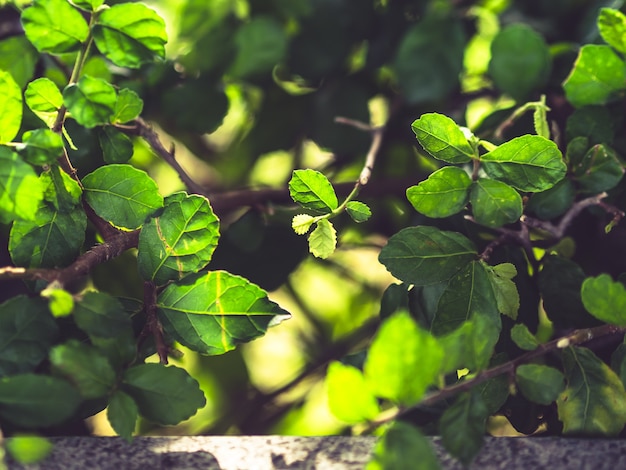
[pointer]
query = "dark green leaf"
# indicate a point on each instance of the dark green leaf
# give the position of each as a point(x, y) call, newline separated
point(594, 122)
point(261, 45)
point(444, 193)
point(359, 211)
point(91, 101)
point(528, 163)
point(54, 26)
point(553, 202)
point(21, 192)
point(403, 447)
point(28, 449)
point(127, 107)
point(323, 240)
point(122, 194)
point(576, 150)
point(598, 74)
point(212, 312)
point(85, 367)
point(116, 146)
point(100, 315)
point(41, 146)
point(612, 27)
point(11, 105)
point(394, 298)
point(19, 58)
point(426, 255)
point(398, 351)
point(599, 170)
point(164, 395)
point(349, 397)
point(605, 299)
point(594, 402)
point(495, 203)
point(441, 137)
point(44, 99)
point(540, 384)
point(618, 362)
point(504, 289)
point(27, 330)
point(178, 241)
point(34, 401)
point(312, 190)
point(130, 34)
point(122, 414)
point(523, 338)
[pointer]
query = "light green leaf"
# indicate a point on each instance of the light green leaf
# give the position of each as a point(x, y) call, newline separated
point(301, 223)
point(88, 5)
point(349, 397)
point(21, 191)
point(403, 447)
point(495, 203)
point(599, 170)
point(127, 107)
point(523, 338)
point(426, 255)
point(359, 211)
point(11, 106)
point(594, 402)
point(60, 301)
point(41, 146)
point(441, 137)
point(116, 146)
point(504, 288)
point(212, 312)
point(403, 360)
point(323, 240)
point(528, 163)
point(19, 58)
point(540, 384)
point(122, 194)
point(598, 74)
point(91, 101)
point(28, 449)
point(605, 299)
point(122, 414)
point(178, 241)
point(164, 395)
point(44, 99)
point(444, 193)
point(130, 35)
point(54, 26)
point(312, 190)
point(612, 27)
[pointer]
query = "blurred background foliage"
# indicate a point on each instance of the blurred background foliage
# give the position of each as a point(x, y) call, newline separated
point(250, 92)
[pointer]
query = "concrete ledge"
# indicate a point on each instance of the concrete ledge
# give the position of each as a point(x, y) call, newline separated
point(323, 453)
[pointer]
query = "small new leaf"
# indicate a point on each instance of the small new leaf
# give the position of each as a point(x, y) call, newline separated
point(301, 223)
point(312, 190)
point(44, 99)
point(359, 211)
point(605, 299)
point(523, 338)
point(323, 240)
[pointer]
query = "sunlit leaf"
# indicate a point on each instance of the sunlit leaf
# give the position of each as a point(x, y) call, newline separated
point(540, 384)
point(349, 397)
point(127, 107)
point(441, 137)
point(605, 299)
point(444, 193)
point(88, 5)
point(612, 27)
point(91, 101)
point(11, 105)
point(504, 289)
point(41, 146)
point(19, 58)
point(312, 190)
point(358, 211)
point(301, 223)
point(44, 99)
point(495, 203)
point(323, 240)
point(403, 447)
point(54, 26)
point(21, 192)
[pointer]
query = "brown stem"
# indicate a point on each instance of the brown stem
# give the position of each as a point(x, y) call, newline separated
point(153, 325)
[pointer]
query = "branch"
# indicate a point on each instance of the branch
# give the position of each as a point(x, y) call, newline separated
point(153, 325)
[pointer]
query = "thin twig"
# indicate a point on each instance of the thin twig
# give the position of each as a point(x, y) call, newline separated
point(370, 159)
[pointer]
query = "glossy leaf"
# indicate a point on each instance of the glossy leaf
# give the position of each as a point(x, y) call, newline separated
point(213, 312)
point(122, 414)
point(523, 338)
point(127, 107)
point(594, 401)
point(403, 447)
point(116, 146)
point(358, 211)
point(35, 401)
point(403, 360)
point(323, 240)
point(349, 397)
point(312, 190)
point(528, 163)
point(179, 240)
point(612, 27)
point(27, 330)
point(426, 255)
point(91, 101)
point(504, 289)
point(605, 299)
point(11, 105)
point(444, 193)
point(599, 170)
point(130, 35)
point(441, 137)
point(164, 395)
point(553, 202)
point(54, 26)
point(122, 194)
point(44, 99)
point(21, 192)
point(495, 203)
point(540, 384)
point(41, 146)
point(598, 74)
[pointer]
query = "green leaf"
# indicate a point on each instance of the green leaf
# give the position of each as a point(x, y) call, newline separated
point(27, 331)
point(54, 26)
point(403, 360)
point(28, 449)
point(312, 190)
point(463, 425)
point(441, 137)
point(612, 27)
point(523, 338)
point(85, 367)
point(61, 190)
point(520, 61)
point(323, 240)
point(444, 193)
point(403, 447)
point(127, 107)
point(19, 58)
point(122, 194)
point(116, 146)
point(60, 301)
point(178, 241)
point(44, 99)
point(605, 299)
point(528, 163)
point(349, 397)
point(88, 5)
point(495, 203)
point(164, 395)
point(540, 384)
point(11, 105)
point(594, 402)
point(211, 312)
point(91, 101)
point(100, 315)
point(262, 44)
point(618, 362)
point(130, 34)
point(41, 146)
point(553, 202)
point(358, 211)
point(35, 401)
point(598, 74)
point(21, 192)
point(301, 223)
point(599, 170)
point(596, 123)
point(504, 289)
point(426, 255)
point(122, 414)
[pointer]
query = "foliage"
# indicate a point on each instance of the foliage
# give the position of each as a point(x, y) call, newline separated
point(479, 162)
